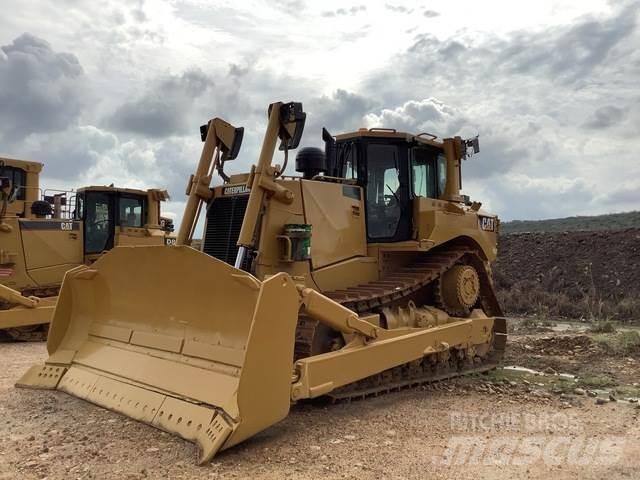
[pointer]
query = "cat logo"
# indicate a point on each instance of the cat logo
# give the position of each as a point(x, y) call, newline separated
point(487, 223)
point(235, 190)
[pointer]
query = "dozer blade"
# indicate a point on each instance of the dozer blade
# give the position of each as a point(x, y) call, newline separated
point(176, 339)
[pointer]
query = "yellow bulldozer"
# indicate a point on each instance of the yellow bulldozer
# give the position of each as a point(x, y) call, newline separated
point(368, 272)
point(43, 234)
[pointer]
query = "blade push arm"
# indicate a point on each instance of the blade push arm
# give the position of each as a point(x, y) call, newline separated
point(12, 296)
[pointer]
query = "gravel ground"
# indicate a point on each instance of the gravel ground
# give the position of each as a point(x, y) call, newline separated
point(406, 434)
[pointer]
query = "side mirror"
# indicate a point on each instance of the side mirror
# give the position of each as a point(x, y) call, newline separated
point(473, 143)
point(465, 149)
point(292, 118)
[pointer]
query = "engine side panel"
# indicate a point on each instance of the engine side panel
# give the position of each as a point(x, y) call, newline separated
point(437, 224)
point(276, 216)
point(51, 243)
point(336, 213)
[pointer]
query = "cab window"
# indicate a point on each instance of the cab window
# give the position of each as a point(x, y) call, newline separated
point(17, 178)
point(429, 171)
point(442, 174)
point(131, 211)
point(349, 161)
point(78, 213)
point(423, 169)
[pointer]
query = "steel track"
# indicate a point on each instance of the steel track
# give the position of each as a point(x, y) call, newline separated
point(395, 288)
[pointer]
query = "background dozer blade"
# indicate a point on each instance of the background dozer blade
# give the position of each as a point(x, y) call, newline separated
point(177, 339)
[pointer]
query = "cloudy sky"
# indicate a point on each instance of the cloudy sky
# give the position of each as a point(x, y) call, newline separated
point(115, 91)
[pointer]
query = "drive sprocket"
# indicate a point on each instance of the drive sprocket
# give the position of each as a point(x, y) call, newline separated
point(458, 290)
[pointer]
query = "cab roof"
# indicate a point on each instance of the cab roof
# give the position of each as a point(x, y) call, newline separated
point(425, 138)
point(26, 165)
point(161, 194)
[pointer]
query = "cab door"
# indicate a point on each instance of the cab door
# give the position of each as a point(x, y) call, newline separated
point(387, 196)
point(98, 215)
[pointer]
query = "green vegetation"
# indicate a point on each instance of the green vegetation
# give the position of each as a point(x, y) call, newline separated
point(596, 381)
point(603, 326)
point(627, 391)
point(610, 221)
point(622, 343)
point(529, 299)
point(554, 383)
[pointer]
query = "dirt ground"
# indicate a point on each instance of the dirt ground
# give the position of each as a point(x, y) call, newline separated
point(529, 424)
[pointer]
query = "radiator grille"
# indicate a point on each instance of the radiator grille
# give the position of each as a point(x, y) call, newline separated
point(224, 221)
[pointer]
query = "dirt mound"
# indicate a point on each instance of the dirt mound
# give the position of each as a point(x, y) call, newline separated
point(571, 274)
point(608, 221)
point(561, 345)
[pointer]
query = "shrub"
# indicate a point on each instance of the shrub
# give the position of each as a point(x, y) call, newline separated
point(603, 326)
point(623, 343)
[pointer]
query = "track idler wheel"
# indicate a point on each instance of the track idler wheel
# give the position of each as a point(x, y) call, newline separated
point(458, 290)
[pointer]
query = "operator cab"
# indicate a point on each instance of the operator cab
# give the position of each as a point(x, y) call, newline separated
point(393, 169)
point(13, 185)
point(102, 210)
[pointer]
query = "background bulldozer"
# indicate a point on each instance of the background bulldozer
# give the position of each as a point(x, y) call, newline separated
point(369, 272)
point(43, 234)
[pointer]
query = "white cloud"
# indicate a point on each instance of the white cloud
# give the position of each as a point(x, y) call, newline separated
point(115, 91)
point(426, 115)
point(41, 90)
